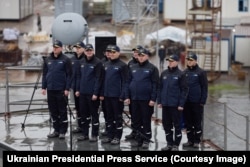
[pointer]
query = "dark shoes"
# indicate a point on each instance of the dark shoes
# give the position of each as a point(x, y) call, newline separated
point(175, 148)
point(82, 138)
point(62, 136)
point(196, 145)
point(106, 140)
point(93, 139)
point(188, 144)
point(170, 148)
point(53, 135)
point(132, 135)
point(115, 141)
point(167, 148)
point(56, 134)
point(105, 133)
point(145, 145)
point(136, 144)
point(77, 130)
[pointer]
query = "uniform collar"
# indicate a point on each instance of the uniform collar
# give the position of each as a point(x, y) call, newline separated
point(172, 69)
point(193, 67)
point(143, 63)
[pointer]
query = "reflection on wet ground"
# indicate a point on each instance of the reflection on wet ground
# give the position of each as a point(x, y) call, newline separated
point(37, 125)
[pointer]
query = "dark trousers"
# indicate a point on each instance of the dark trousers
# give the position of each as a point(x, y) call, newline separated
point(193, 113)
point(142, 119)
point(171, 120)
point(114, 117)
point(131, 115)
point(57, 104)
point(89, 113)
point(78, 115)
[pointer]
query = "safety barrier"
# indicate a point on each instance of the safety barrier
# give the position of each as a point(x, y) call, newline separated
point(226, 127)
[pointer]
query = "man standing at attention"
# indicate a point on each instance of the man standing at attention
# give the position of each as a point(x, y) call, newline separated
point(89, 79)
point(75, 60)
point(56, 81)
point(196, 99)
point(133, 61)
point(142, 93)
point(105, 59)
point(114, 85)
point(172, 95)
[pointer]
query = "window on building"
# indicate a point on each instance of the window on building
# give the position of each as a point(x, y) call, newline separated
point(243, 5)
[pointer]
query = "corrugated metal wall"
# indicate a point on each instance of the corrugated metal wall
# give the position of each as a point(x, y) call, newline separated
point(15, 9)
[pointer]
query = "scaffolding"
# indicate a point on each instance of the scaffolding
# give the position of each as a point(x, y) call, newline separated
point(137, 17)
point(203, 26)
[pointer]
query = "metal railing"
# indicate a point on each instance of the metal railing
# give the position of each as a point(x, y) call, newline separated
point(10, 87)
point(227, 128)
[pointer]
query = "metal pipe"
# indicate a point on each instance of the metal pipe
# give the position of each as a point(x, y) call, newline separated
point(202, 126)
point(247, 133)
point(225, 126)
point(7, 107)
point(87, 33)
point(157, 53)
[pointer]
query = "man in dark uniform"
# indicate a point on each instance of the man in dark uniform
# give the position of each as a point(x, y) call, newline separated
point(141, 93)
point(56, 81)
point(172, 94)
point(75, 66)
point(106, 54)
point(104, 110)
point(196, 99)
point(89, 79)
point(115, 79)
point(133, 61)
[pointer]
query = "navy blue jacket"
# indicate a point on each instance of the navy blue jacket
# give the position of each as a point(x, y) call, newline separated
point(143, 82)
point(197, 84)
point(173, 88)
point(104, 59)
point(89, 76)
point(75, 61)
point(57, 72)
point(132, 62)
point(115, 79)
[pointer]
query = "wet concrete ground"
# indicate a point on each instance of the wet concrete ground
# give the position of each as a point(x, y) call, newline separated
point(227, 113)
point(37, 125)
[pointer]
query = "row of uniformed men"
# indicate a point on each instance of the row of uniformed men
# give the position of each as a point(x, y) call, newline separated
point(114, 83)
